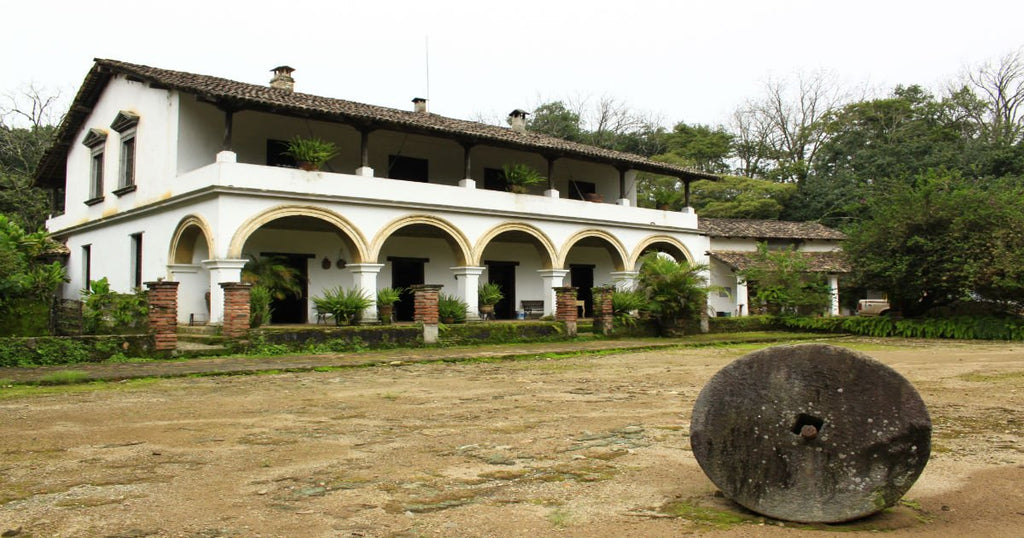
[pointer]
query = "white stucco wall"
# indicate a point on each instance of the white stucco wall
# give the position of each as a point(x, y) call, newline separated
point(177, 177)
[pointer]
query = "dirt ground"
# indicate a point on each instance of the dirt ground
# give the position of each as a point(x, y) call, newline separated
point(584, 446)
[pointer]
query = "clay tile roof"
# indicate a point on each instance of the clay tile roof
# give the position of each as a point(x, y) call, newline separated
point(817, 262)
point(767, 229)
point(240, 95)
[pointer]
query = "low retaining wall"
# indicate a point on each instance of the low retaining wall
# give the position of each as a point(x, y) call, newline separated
point(54, 350)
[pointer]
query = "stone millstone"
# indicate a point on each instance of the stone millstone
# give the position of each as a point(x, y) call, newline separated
point(811, 433)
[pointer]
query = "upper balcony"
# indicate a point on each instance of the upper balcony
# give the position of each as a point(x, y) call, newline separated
point(185, 121)
point(467, 196)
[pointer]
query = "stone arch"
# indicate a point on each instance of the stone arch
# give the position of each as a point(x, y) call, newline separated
point(452, 235)
point(350, 234)
point(545, 247)
point(183, 241)
point(611, 243)
point(662, 243)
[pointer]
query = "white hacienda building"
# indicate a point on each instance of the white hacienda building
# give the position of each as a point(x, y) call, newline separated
point(172, 175)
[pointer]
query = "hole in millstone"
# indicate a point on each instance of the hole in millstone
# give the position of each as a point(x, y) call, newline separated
point(807, 420)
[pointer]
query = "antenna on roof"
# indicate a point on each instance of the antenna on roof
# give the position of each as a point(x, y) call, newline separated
point(426, 48)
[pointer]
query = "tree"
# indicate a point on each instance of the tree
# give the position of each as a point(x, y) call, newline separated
point(555, 119)
point(941, 239)
point(737, 197)
point(781, 133)
point(27, 120)
point(1001, 87)
point(702, 147)
point(781, 281)
point(27, 284)
point(897, 137)
point(608, 123)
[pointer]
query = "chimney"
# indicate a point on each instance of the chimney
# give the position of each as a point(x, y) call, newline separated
point(517, 119)
point(283, 78)
point(419, 105)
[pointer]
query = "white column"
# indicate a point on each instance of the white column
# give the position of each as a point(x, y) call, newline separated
point(364, 276)
point(467, 283)
point(364, 171)
point(228, 270)
point(833, 290)
point(624, 280)
point(552, 193)
point(742, 301)
point(552, 278)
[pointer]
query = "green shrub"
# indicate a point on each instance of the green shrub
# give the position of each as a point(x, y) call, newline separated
point(625, 304)
point(451, 309)
point(962, 328)
point(108, 312)
point(346, 305)
point(259, 306)
point(25, 317)
point(389, 296)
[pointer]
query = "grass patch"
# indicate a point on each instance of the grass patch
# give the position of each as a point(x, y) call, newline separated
point(992, 378)
point(692, 510)
point(559, 517)
point(64, 377)
point(32, 390)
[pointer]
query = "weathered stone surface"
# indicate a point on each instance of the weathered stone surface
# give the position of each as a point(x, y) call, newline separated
point(811, 433)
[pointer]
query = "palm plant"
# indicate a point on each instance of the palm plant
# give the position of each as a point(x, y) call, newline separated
point(346, 305)
point(273, 273)
point(519, 177)
point(311, 153)
point(451, 309)
point(674, 291)
point(386, 299)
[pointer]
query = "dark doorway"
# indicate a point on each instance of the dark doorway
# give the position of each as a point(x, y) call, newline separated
point(406, 272)
point(582, 277)
point(494, 180)
point(408, 168)
point(578, 190)
point(291, 309)
point(504, 275)
point(277, 154)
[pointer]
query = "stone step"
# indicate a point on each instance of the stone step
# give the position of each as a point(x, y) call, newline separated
point(212, 330)
point(206, 339)
point(186, 348)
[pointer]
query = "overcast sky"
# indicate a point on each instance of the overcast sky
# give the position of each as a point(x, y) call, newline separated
point(681, 60)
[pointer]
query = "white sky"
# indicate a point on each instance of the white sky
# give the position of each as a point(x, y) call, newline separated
point(681, 60)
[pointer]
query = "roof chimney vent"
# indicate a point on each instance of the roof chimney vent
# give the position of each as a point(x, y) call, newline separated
point(283, 78)
point(419, 105)
point(517, 119)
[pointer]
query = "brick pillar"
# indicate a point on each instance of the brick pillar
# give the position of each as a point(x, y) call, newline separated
point(425, 309)
point(603, 309)
point(163, 314)
point(236, 309)
point(565, 308)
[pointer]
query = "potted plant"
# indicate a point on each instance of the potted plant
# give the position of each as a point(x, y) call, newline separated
point(311, 153)
point(519, 177)
point(386, 299)
point(451, 309)
point(346, 305)
point(489, 295)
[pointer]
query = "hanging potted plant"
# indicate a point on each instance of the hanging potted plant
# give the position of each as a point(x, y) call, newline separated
point(489, 295)
point(519, 177)
point(311, 153)
point(386, 299)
